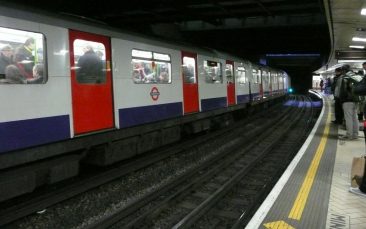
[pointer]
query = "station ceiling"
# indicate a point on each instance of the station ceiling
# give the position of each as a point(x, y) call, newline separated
point(246, 28)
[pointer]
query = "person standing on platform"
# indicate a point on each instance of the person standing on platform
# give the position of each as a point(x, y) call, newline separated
point(364, 97)
point(338, 111)
point(361, 190)
point(349, 103)
point(321, 84)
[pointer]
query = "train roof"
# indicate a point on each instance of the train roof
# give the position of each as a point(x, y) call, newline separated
point(92, 26)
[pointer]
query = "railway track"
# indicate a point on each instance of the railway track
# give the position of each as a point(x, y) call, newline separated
point(195, 197)
point(193, 185)
point(10, 211)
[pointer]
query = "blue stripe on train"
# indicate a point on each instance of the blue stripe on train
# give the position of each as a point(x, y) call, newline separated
point(243, 98)
point(213, 103)
point(256, 96)
point(140, 115)
point(31, 132)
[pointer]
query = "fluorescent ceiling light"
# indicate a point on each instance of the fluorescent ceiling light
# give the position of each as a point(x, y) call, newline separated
point(357, 46)
point(359, 39)
point(363, 11)
point(351, 61)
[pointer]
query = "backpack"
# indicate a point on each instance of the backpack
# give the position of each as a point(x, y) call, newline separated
point(354, 82)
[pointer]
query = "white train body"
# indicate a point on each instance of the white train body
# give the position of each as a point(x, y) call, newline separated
point(59, 108)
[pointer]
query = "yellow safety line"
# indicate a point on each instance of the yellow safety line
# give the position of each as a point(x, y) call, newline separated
point(303, 194)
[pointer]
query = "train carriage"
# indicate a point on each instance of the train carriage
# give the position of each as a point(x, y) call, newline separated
point(80, 91)
point(275, 89)
point(147, 83)
point(35, 114)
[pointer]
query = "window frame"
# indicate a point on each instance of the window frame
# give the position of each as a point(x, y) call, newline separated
point(187, 58)
point(218, 64)
point(153, 60)
point(244, 70)
point(232, 74)
point(44, 62)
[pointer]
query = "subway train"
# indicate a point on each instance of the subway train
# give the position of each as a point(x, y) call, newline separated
point(77, 91)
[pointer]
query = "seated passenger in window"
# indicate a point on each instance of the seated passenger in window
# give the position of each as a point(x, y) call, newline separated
point(6, 58)
point(13, 75)
point(138, 73)
point(163, 72)
point(24, 58)
point(164, 77)
point(149, 73)
point(37, 74)
point(90, 66)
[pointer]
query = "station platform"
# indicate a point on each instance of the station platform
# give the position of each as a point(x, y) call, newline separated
point(313, 193)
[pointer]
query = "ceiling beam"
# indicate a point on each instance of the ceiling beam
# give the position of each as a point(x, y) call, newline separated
point(255, 22)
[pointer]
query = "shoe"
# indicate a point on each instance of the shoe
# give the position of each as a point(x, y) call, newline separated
point(358, 179)
point(357, 191)
point(335, 122)
point(345, 137)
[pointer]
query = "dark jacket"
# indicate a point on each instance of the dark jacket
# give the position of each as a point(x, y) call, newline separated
point(334, 83)
point(90, 68)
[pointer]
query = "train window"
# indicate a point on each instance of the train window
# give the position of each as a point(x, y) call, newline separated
point(255, 76)
point(265, 77)
point(22, 57)
point(229, 73)
point(242, 78)
point(150, 67)
point(189, 70)
point(90, 62)
point(212, 71)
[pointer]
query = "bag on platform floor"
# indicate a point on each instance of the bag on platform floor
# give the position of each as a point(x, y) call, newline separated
point(357, 171)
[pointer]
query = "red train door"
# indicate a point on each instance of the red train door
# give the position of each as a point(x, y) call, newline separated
point(229, 71)
point(91, 82)
point(190, 83)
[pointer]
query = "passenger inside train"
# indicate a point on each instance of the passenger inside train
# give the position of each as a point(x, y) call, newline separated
point(38, 71)
point(90, 66)
point(13, 75)
point(24, 57)
point(6, 58)
point(189, 71)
